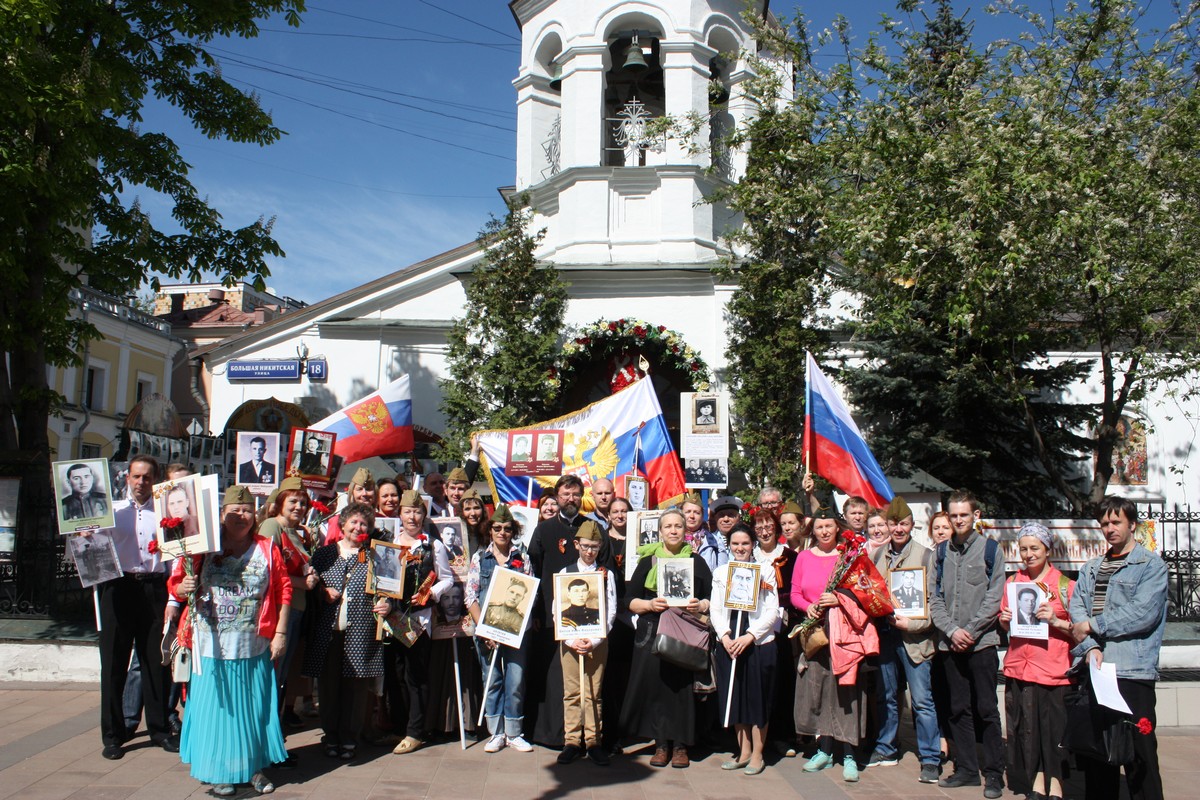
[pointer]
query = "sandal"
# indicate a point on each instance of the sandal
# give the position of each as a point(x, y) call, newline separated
point(261, 783)
point(223, 790)
point(407, 745)
point(347, 753)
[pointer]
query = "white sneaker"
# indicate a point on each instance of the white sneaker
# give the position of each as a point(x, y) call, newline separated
point(519, 744)
point(494, 744)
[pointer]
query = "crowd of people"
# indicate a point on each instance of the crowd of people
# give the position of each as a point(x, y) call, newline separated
point(793, 665)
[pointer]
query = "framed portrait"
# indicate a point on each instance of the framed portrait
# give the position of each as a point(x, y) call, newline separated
point(527, 519)
point(1023, 601)
point(907, 586)
point(641, 528)
point(257, 454)
point(310, 456)
point(705, 411)
point(192, 503)
point(579, 600)
point(741, 592)
point(385, 570)
point(95, 557)
point(636, 490)
point(450, 617)
point(676, 580)
point(507, 607)
point(389, 524)
point(84, 495)
point(706, 473)
point(452, 532)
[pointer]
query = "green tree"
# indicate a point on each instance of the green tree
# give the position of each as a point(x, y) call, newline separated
point(1012, 220)
point(76, 77)
point(501, 351)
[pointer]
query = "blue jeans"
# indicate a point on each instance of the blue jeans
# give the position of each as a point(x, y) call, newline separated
point(504, 696)
point(893, 656)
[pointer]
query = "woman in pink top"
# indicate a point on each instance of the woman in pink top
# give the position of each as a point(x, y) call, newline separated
point(824, 708)
point(1035, 672)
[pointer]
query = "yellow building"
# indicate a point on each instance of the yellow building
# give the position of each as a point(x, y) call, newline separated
point(133, 359)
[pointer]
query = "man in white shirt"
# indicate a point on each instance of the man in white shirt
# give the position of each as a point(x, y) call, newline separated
point(131, 616)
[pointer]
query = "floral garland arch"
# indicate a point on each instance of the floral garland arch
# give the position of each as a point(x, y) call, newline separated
point(620, 342)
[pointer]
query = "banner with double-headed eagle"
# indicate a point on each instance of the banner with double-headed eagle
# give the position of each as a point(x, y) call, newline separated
point(620, 435)
point(379, 424)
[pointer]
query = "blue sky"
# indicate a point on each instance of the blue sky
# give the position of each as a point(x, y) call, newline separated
point(400, 121)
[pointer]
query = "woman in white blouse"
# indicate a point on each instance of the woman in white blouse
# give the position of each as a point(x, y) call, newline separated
point(745, 636)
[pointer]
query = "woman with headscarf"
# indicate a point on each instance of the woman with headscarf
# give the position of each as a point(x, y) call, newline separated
point(747, 639)
point(236, 625)
point(1035, 674)
point(659, 703)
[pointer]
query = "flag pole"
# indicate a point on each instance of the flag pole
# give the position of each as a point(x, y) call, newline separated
point(737, 622)
point(487, 683)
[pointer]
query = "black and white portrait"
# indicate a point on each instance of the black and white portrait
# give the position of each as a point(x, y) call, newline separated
point(908, 592)
point(741, 592)
point(676, 579)
point(84, 500)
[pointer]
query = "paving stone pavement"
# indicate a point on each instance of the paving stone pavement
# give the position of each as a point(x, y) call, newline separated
point(50, 748)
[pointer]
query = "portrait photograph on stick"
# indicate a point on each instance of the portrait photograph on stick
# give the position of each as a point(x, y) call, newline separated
point(187, 516)
point(676, 580)
point(84, 496)
point(907, 586)
point(507, 607)
point(385, 572)
point(452, 532)
point(257, 453)
point(1024, 598)
point(643, 529)
point(741, 593)
point(310, 456)
point(95, 557)
point(579, 611)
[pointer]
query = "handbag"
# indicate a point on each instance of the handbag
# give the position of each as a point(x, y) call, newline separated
point(682, 639)
point(1095, 731)
point(813, 639)
point(181, 663)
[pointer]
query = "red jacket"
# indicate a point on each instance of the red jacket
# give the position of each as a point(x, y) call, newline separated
point(279, 590)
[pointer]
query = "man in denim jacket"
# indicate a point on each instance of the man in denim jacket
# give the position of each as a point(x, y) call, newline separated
point(1119, 611)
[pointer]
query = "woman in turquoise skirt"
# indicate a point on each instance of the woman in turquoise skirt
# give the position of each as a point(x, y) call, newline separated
point(237, 625)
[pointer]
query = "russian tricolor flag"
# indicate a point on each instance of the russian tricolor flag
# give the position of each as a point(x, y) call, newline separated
point(632, 419)
point(378, 425)
point(833, 446)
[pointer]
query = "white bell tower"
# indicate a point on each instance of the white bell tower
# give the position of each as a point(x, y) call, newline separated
point(606, 184)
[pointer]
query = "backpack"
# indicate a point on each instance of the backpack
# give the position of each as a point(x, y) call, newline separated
point(989, 559)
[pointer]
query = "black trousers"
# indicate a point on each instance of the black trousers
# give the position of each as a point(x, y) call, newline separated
point(412, 670)
point(1103, 782)
point(971, 678)
point(131, 618)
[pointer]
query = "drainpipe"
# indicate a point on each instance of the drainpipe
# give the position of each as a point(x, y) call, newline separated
point(87, 412)
point(197, 395)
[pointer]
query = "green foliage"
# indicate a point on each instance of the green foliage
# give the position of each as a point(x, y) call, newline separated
point(501, 353)
point(76, 76)
point(1014, 221)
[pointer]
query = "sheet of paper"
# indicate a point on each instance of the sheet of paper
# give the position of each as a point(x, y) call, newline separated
point(1104, 684)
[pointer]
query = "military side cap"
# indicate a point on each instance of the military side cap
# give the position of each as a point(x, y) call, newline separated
point(471, 494)
point(411, 499)
point(589, 530)
point(291, 485)
point(363, 477)
point(502, 514)
point(792, 507)
point(824, 513)
point(898, 510)
point(237, 494)
point(458, 475)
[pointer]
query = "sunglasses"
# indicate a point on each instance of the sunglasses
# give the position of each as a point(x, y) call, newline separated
point(502, 527)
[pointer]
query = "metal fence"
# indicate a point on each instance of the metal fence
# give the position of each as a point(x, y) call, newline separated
point(40, 582)
point(1178, 534)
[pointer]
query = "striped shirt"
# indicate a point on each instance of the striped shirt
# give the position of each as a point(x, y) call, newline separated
point(1108, 568)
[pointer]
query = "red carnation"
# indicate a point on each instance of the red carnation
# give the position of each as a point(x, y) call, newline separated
point(621, 323)
point(662, 328)
point(152, 548)
point(639, 331)
point(1144, 726)
point(517, 563)
point(320, 507)
point(612, 326)
point(841, 548)
point(170, 522)
point(675, 348)
point(362, 537)
point(695, 367)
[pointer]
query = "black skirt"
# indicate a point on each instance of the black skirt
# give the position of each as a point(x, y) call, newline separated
point(1036, 719)
point(753, 685)
point(658, 700)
